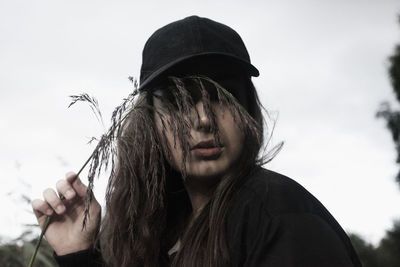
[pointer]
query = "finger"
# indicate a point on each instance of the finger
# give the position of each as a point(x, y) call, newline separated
point(77, 184)
point(54, 201)
point(70, 177)
point(65, 189)
point(41, 210)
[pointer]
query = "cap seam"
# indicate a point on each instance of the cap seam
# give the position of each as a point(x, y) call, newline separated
point(198, 35)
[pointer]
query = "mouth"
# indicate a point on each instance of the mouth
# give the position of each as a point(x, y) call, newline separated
point(207, 149)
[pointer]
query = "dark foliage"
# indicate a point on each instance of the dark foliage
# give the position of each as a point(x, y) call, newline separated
point(389, 248)
point(394, 70)
point(18, 252)
point(386, 254)
point(392, 117)
point(366, 251)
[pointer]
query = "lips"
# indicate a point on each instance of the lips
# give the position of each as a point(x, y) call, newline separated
point(207, 149)
point(205, 144)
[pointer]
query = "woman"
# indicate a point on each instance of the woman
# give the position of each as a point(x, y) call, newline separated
point(189, 189)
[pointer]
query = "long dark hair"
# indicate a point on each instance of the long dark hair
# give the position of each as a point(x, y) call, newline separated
point(147, 207)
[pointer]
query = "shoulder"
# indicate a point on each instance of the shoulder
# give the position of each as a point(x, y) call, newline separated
point(277, 193)
point(267, 195)
point(274, 216)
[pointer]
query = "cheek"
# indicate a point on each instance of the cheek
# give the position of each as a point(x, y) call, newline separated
point(235, 138)
point(167, 133)
point(231, 133)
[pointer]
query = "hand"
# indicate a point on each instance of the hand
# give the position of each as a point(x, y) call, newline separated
point(65, 233)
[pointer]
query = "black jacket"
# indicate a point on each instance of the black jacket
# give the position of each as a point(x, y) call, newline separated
point(273, 221)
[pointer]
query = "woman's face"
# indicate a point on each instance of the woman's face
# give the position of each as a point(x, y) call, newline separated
point(206, 158)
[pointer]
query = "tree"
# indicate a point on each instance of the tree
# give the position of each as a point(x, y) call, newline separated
point(388, 252)
point(365, 250)
point(393, 117)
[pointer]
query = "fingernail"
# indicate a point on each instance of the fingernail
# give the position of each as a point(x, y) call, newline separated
point(60, 208)
point(69, 194)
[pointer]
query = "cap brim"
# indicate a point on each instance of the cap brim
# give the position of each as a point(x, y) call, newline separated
point(251, 70)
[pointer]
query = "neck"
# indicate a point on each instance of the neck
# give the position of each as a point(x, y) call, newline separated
point(199, 193)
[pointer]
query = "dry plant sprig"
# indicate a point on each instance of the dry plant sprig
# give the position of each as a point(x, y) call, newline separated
point(103, 155)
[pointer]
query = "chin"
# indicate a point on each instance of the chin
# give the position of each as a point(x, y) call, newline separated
point(208, 170)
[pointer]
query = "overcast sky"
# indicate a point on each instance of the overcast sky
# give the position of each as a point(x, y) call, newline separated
point(323, 75)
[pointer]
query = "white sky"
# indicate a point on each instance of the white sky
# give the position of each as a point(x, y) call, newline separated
point(323, 69)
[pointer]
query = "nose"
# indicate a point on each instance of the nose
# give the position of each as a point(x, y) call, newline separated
point(202, 121)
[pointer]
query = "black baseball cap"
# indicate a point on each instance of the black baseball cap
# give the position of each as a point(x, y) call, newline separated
point(189, 39)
